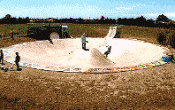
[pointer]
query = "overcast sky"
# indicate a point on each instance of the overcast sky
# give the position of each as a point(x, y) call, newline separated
point(87, 8)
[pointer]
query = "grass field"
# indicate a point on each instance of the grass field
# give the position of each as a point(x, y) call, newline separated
point(75, 30)
point(151, 88)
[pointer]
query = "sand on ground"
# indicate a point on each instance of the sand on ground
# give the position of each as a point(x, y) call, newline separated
point(69, 53)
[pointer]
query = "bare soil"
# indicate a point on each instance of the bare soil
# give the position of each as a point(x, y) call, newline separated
point(151, 88)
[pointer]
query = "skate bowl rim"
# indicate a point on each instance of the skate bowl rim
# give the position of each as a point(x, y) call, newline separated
point(88, 70)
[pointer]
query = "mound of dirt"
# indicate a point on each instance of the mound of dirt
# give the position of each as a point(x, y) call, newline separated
point(98, 59)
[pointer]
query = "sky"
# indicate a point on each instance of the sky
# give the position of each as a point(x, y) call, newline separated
point(92, 9)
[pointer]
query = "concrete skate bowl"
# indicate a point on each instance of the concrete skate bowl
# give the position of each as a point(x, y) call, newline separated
point(67, 55)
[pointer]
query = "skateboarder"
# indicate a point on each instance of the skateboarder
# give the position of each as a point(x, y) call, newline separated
point(17, 60)
point(1, 57)
point(108, 51)
point(83, 39)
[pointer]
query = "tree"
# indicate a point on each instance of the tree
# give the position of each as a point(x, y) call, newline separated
point(162, 18)
point(80, 20)
point(27, 20)
point(141, 21)
point(8, 16)
point(119, 21)
point(7, 19)
point(102, 18)
point(150, 23)
point(20, 20)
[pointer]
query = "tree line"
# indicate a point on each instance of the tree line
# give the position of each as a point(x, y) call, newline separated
point(8, 19)
point(161, 21)
point(102, 20)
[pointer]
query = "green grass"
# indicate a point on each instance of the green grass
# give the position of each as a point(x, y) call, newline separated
point(76, 30)
point(150, 32)
point(6, 29)
point(92, 30)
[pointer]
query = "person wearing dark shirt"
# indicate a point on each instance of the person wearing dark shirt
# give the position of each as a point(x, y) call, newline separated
point(108, 51)
point(1, 57)
point(17, 60)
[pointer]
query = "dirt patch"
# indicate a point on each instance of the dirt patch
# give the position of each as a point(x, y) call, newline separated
point(17, 40)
